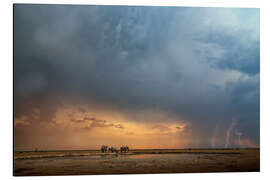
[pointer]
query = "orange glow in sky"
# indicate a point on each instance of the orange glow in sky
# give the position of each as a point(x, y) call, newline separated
point(74, 129)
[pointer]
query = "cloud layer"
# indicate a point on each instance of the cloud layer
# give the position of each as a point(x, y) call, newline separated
point(197, 65)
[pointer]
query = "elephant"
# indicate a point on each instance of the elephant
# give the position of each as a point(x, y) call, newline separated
point(112, 149)
point(124, 149)
point(104, 149)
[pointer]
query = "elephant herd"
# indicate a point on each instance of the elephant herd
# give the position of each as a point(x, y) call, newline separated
point(105, 149)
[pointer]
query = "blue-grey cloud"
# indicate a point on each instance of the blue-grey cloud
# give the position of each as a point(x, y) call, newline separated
point(199, 63)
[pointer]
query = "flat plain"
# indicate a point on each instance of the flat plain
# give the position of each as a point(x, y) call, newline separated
point(138, 161)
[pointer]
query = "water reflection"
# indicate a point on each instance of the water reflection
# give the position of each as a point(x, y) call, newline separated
point(163, 156)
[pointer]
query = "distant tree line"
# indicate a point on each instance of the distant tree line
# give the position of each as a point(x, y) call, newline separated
point(123, 149)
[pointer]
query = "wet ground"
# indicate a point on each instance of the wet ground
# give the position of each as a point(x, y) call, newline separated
point(136, 163)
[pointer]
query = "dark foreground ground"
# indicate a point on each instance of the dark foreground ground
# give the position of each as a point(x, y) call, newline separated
point(136, 162)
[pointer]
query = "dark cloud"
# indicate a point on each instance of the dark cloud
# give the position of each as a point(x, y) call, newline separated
point(161, 128)
point(245, 59)
point(188, 62)
point(96, 123)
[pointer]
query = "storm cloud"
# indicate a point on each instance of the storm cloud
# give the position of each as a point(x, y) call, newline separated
point(198, 64)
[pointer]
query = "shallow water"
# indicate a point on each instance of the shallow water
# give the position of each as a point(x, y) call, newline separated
point(90, 163)
point(163, 156)
point(109, 156)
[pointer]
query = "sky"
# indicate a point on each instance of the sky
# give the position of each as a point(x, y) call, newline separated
point(146, 77)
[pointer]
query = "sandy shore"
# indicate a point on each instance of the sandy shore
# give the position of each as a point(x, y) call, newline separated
point(136, 162)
